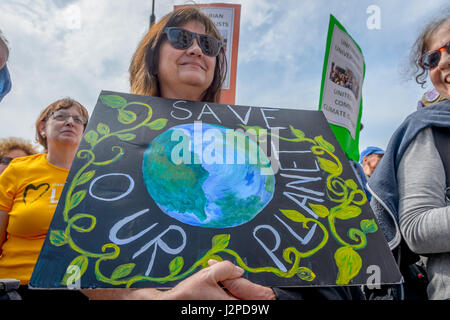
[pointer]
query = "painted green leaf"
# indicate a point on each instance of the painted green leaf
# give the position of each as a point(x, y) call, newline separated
point(58, 238)
point(103, 129)
point(122, 271)
point(296, 216)
point(220, 241)
point(91, 137)
point(126, 117)
point(328, 166)
point(126, 136)
point(369, 226)
point(176, 265)
point(319, 209)
point(85, 177)
point(75, 270)
point(297, 132)
point(158, 124)
point(349, 264)
point(324, 144)
point(305, 274)
point(346, 212)
point(76, 199)
point(113, 101)
point(81, 262)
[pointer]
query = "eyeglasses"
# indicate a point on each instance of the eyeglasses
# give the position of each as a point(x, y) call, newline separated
point(62, 116)
point(5, 160)
point(431, 59)
point(182, 39)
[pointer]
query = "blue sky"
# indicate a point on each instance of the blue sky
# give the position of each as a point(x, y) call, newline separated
point(77, 48)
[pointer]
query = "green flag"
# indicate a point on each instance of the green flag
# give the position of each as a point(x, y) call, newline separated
point(341, 89)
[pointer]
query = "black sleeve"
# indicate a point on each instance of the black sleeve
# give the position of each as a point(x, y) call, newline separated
point(319, 293)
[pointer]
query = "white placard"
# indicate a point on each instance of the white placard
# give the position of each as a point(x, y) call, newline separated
point(343, 82)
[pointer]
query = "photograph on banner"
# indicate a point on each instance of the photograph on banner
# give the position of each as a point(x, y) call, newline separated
point(345, 78)
point(160, 186)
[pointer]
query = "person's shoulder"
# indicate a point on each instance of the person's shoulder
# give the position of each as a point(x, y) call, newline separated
point(440, 106)
point(25, 161)
point(439, 112)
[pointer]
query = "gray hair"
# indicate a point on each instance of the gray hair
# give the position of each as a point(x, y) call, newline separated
point(420, 47)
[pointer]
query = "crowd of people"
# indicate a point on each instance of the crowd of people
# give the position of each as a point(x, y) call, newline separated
point(182, 57)
point(343, 78)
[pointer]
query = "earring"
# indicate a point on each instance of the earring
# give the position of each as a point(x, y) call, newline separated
point(43, 133)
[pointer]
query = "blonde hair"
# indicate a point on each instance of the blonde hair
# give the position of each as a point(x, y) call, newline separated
point(13, 143)
point(144, 63)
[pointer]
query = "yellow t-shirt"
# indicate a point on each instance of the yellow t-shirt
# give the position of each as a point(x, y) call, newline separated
point(29, 191)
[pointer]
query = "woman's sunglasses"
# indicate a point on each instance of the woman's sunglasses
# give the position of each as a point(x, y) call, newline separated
point(5, 160)
point(182, 39)
point(431, 59)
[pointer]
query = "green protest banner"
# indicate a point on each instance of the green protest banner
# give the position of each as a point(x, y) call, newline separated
point(340, 92)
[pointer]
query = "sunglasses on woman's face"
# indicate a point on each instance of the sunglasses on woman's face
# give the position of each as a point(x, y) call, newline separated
point(182, 39)
point(431, 59)
point(5, 160)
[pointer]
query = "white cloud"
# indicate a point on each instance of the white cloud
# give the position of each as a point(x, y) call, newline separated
point(53, 56)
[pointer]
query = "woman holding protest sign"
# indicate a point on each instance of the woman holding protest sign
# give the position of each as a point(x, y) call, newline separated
point(30, 188)
point(410, 188)
point(183, 57)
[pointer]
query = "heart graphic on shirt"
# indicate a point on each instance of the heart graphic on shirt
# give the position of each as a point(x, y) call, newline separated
point(33, 193)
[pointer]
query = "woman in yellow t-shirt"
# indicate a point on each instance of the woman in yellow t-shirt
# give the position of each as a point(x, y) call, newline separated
point(31, 186)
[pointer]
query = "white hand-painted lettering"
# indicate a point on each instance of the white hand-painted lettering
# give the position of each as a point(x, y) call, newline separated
point(127, 192)
point(270, 252)
point(156, 242)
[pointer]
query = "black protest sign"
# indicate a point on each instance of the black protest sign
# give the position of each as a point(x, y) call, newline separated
point(158, 187)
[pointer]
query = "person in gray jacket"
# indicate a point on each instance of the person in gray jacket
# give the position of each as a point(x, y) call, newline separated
point(409, 186)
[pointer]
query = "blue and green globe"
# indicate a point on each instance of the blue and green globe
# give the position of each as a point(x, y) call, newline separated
point(206, 175)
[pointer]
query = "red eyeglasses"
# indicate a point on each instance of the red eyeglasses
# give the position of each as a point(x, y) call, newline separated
point(430, 60)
